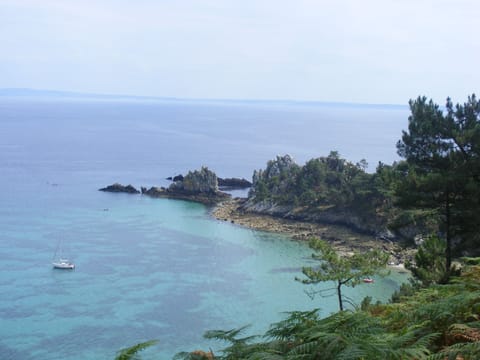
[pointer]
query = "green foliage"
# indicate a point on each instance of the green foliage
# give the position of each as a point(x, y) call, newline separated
point(406, 289)
point(442, 172)
point(358, 335)
point(464, 351)
point(240, 347)
point(131, 353)
point(429, 264)
point(322, 182)
point(290, 330)
point(436, 322)
point(471, 260)
point(343, 270)
point(366, 303)
point(345, 335)
point(203, 180)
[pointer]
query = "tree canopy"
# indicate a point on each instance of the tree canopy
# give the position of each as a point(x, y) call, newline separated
point(441, 175)
point(325, 184)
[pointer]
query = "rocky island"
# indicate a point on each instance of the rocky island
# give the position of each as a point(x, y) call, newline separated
point(119, 188)
point(199, 186)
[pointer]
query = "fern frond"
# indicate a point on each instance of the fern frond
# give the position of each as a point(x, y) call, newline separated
point(466, 351)
point(308, 348)
point(227, 335)
point(293, 325)
point(131, 352)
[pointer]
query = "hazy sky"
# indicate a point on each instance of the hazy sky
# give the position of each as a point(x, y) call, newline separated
point(375, 51)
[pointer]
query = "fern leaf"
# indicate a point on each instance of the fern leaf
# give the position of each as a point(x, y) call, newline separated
point(131, 352)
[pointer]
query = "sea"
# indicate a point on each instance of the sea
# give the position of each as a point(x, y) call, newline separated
point(157, 268)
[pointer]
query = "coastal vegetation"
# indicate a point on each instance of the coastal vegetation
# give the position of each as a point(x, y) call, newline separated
point(435, 189)
point(321, 182)
point(342, 270)
point(327, 189)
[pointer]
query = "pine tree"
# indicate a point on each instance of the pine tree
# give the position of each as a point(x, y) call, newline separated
point(343, 270)
point(442, 171)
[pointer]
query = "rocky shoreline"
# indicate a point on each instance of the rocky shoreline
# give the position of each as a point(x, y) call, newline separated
point(342, 238)
point(206, 198)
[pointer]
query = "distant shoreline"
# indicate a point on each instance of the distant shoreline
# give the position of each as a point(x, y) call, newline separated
point(65, 95)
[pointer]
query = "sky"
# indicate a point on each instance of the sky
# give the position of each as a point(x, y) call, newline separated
point(370, 51)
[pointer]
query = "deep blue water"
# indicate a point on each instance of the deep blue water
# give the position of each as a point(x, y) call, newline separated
point(154, 268)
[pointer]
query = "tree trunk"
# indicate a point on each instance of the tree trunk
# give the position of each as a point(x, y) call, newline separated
point(448, 247)
point(339, 293)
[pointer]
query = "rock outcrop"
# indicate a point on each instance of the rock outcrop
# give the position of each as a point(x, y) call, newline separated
point(199, 185)
point(119, 188)
point(176, 178)
point(202, 181)
point(233, 183)
point(328, 215)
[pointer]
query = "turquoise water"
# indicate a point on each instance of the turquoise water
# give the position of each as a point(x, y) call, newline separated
point(146, 268)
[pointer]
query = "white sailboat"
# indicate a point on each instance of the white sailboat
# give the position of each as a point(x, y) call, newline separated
point(63, 264)
point(59, 262)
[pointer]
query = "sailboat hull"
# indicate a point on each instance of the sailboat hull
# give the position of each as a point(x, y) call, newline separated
point(65, 265)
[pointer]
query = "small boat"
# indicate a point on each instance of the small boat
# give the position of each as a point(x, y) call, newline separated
point(59, 262)
point(368, 280)
point(63, 264)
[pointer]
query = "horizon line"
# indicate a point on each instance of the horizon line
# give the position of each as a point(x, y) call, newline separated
point(26, 92)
